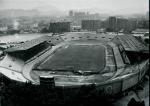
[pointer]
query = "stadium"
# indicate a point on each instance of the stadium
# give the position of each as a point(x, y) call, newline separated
point(106, 64)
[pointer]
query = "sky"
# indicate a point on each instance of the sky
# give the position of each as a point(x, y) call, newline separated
point(115, 6)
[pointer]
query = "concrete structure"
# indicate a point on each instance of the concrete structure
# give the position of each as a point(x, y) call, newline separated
point(121, 23)
point(71, 14)
point(143, 24)
point(78, 62)
point(91, 25)
point(112, 24)
point(71, 51)
point(59, 27)
point(139, 32)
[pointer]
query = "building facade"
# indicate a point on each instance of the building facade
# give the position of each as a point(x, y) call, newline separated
point(59, 27)
point(91, 25)
point(112, 24)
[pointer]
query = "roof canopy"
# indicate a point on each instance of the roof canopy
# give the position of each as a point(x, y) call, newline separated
point(28, 44)
point(130, 43)
point(32, 43)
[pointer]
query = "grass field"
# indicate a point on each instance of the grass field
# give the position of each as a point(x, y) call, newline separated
point(79, 57)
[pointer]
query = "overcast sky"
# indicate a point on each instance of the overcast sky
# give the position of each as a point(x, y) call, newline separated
point(116, 6)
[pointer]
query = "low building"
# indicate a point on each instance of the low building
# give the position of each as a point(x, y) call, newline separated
point(140, 31)
point(75, 28)
point(4, 28)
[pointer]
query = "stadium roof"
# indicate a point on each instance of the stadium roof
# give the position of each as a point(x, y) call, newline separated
point(28, 44)
point(130, 43)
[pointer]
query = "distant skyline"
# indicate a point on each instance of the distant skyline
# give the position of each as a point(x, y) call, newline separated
point(100, 6)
